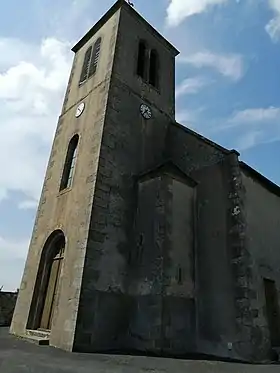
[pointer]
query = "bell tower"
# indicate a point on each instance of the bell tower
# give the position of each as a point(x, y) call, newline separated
point(119, 102)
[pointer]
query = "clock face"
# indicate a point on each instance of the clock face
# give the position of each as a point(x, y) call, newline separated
point(146, 111)
point(80, 109)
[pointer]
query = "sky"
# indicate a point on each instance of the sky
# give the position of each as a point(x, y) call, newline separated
point(227, 89)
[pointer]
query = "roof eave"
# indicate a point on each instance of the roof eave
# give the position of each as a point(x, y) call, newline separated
point(270, 185)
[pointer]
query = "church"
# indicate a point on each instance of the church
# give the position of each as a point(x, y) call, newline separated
point(149, 238)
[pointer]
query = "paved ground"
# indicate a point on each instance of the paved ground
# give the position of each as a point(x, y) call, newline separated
point(18, 356)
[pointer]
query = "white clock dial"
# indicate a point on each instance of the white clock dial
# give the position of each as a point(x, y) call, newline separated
point(146, 111)
point(80, 109)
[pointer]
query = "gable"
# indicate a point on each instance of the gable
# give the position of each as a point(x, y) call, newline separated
point(166, 168)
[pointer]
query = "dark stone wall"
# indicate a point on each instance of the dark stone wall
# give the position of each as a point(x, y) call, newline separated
point(262, 208)
point(204, 161)
point(179, 318)
point(225, 289)
point(7, 305)
point(190, 151)
point(130, 145)
point(240, 262)
point(156, 321)
point(131, 31)
point(214, 282)
point(129, 300)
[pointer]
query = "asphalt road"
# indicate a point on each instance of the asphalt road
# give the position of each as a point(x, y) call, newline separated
point(19, 356)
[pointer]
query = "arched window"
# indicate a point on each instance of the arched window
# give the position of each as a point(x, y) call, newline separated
point(141, 62)
point(86, 64)
point(154, 67)
point(69, 166)
point(94, 57)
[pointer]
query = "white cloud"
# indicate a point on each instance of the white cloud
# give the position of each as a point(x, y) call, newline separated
point(273, 26)
point(255, 115)
point(32, 84)
point(249, 140)
point(31, 92)
point(251, 127)
point(20, 51)
point(178, 10)
point(184, 116)
point(190, 117)
point(191, 85)
point(229, 65)
point(13, 248)
point(33, 79)
point(28, 204)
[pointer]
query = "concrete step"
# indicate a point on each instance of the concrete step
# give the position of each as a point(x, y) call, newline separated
point(37, 336)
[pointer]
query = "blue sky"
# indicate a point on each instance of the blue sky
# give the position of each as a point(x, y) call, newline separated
point(227, 88)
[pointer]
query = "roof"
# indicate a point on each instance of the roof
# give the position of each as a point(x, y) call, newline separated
point(118, 4)
point(268, 184)
point(166, 167)
point(202, 138)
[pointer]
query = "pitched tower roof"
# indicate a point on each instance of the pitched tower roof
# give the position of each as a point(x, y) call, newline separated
point(118, 4)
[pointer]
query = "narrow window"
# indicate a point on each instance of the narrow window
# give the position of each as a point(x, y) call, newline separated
point(86, 64)
point(179, 275)
point(154, 66)
point(94, 57)
point(141, 59)
point(140, 247)
point(70, 162)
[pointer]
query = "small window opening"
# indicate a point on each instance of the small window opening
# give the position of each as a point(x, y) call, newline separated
point(140, 247)
point(141, 239)
point(154, 66)
point(141, 59)
point(179, 276)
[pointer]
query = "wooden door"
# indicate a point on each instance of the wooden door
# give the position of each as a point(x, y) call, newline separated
point(51, 297)
point(272, 311)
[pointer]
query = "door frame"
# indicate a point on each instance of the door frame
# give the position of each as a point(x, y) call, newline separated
point(42, 279)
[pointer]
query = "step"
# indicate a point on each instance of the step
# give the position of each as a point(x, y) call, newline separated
point(38, 333)
point(37, 336)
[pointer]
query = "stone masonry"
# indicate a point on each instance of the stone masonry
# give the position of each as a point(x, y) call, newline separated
point(162, 251)
point(7, 305)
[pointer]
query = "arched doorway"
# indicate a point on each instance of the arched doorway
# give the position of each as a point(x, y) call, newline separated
point(45, 296)
point(51, 291)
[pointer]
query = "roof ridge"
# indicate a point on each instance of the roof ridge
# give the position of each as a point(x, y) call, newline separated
point(205, 139)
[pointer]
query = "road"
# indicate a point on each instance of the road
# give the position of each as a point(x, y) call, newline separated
point(19, 356)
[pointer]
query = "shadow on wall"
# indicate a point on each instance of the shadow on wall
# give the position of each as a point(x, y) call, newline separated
point(7, 306)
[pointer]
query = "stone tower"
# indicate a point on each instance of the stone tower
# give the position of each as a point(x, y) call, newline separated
point(77, 282)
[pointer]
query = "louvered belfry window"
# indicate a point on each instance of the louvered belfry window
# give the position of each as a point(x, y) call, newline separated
point(90, 61)
point(95, 57)
point(86, 64)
